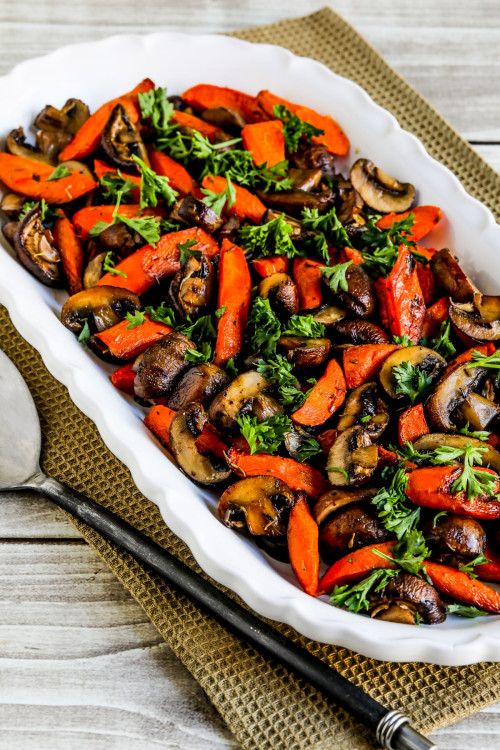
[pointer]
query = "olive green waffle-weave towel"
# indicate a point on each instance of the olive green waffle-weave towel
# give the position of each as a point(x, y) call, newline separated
point(263, 704)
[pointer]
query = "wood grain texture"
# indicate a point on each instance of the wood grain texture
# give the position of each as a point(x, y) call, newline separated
point(81, 666)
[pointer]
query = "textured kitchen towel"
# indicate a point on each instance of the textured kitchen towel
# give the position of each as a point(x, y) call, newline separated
point(265, 706)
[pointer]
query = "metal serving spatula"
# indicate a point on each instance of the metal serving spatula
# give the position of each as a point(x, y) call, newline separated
point(20, 443)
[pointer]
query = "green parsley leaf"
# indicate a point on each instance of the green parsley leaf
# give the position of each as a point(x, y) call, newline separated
point(48, 215)
point(402, 340)
point(146, 226)
point(336, 275)
point(392, 508)
point(185, 250)
point(166, 226)
point(294, 128)
point(463, 610)
point(115, 185)
point(442, 344)
point(162, 314)
point(201, 331)
point(156, 107)
point(27, 207)
point(408, 453)
point(381, 246)
point(84, 335)
point(477, 434)
point(355, 598)
point(220, 311)
point(272, 238)
point(441, 514)
point(109, 266)
point(317, 245)
point(154, 186)
point(204, 354)
point(474, 482)
point(279, 371)
point(469, 567)
point(135, 319)
point(265, 436)
point(340, 471)
point(263, 327)
point(328, 224)
point(217, 201)
point(304, 325)
point(59, 172)
point(231, 369)
point(412, 381)
point(479, 360)
point(308, 448)
point(410, 553)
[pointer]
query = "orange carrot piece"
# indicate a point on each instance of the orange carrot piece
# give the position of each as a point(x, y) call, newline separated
point(405, 302)
point(307, 277)
point(412, 424)
point(430, 487)
point(299, 477)
point(30, 178)
point(355, 565)
point(71, 252)
point(206, 96)
point(426, 218)
point(427, 281)
point(178, 176)
point(386, 457)
point(489, 571)
point(86, 218)
point(209, 442)
point(435, 316)
point(235, 287)
point(303, 545)
point(459, 586)
point(381, 292)
point(326, 439)
point(272, 264)
point(352, 254)
point(102, 168)
point(325, 397)
point(128, 343)
point(363, 363)
point(485, 349)
point(265, 141)
point(88, 138)
point(246, 204)
point(158, 421)
point(149, 264)
point(123, 378)
point(334, 138)
point(190, 121)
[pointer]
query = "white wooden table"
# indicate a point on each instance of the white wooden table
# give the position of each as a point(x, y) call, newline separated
point(81, 667)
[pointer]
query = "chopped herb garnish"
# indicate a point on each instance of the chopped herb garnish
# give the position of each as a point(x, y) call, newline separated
point(474, 482)
point(279, 371)
point(441, 514)
point(381, 246)
point(479, 360)
point(402, 340)
point(198, 356)
point(477, 434)
point(304, 325)
point(263, 327)
point(162, 314)
point(154, 186)
point(442, 343)
point(336, 275)
point(84, 335)
point(108, 265)
point(308, 448)
point(469, 567)
point(340, 471)
point(410, 553)
point(231, 369)
point(272, 238)
point(328, 224)
point(115, 185)
point(59, 172)
point(265, 436)
point(391, 504)
point(294, 128)
point(355, 598)
point(462, 610)
point(218, 201)
point(186, 251)
point(156, 107)
point(135, 319)
point(412, 381)
point(220, 311)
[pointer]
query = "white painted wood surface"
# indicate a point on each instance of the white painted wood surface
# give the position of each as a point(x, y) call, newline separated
point(81, 667)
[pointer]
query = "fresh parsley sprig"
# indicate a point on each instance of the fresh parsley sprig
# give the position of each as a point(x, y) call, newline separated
point(280, 372)
point(263, 328)
point(218, 201)
point(442, 344)
point(272, 238)
point(265, 436)
point(294, 129)
point(336, 276)
point(108, 265)
point(355, 598)
point(469, 567)
point(480, 360)
point(474, 482)
point(412, 381)
point(304, 325)
point(186, 251)
point(477, 434)
point(380, 247)
point(327, 224)
point(410, 553)
point(462, 610)
point(392, 508)
point(155, 107)
point(59, 172)
point(308, 448)
point(114, 185)
point(154, 186)
point(48, 215)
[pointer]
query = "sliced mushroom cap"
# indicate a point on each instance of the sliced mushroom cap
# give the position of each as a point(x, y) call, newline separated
point(379, 190)
point(161, 365)
point(294, 201)
point(51, 143)
point(478, 411)
point(12, 204)
point(258, 504)
point(198, 214)
point(237, 399)
point(314, 156)
point(305, 352)
point(121, 139)
point(36, 250)
point(456, 535)
point(450, 392)
point(298, 230)
point(69, 118)
point(351, 210)
point(9, 230)
point(225, 118)
point(294, 441)
point(305, 179)
point(185, 427)
point(349, 529)
point(229, 230)
point(192, 286)
point(329, 315)
point(17, 145)
point(407, 593)
point(428, 360)
point(490, 457)
point(265, 407)
point(282, 293)
point(337, 498)
point(94, 271)
point(101, 306)
point(360, 295)
point(454, 281)
point(198, 385)
point(365, 407)
point(481, 325)
point(352, 459)
point(120, 239)
point(361, 332)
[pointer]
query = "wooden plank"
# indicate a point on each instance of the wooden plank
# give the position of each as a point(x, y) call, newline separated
point(28, 515)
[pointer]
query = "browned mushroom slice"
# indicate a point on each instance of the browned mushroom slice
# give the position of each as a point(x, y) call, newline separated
point(314, 156)
point(294, 201)
point(36, 250)
point(9, 231)
point(349, 529)
point(69, 118)
point(198, 385)
point(121, 140)
point(379, 190)
point(120, 239)
point(351, 210)
point(101, 306)
point(455, 539)
point(483, 324)
point(450, 392)
point(478, 411)
point(12, 204)
point(258, 504)
point(454, 281)
point(407, 599)
point(365, 407)
point(17, 145)
point(161, 365)
point(428, 360)
point(360, 294)
point(185, 427)
point(94, 271)
point(329, 315)
point(305, 179)
point(237, 399)
point(336, 498)
point(305, 352)
point(352, 459)
point(490, 457)
point(229, 230)
point(361, 332)
point(198, 214)
point(225, 118)
point(281, 292)
point(191, 288)
point(265, 407)
point(51, 143)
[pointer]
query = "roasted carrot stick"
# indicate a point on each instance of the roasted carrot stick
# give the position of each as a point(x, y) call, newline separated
point(190, 121)
point(265, 141)
point(334, 138)
point(363, 363)
point(86, 218)
point(272, 264)
point(30, 178)
point(307, 277)
point(430, 486)
point(235, 287)
point(412, 424)
point(123, 378)
point(128, 343)
point(206, 96)
point(489, 571)
point(459, 586)
point(209, 442)
point(158, 421)
point(299, 477)
point(88, 138)
point(178, 176)
point(426, 218)
point(71, 252)
point(302, 538)
point(102, 168)
point(435, 316)
point(352, 254)
point(355, 565)
point(380, 285)
point(246, 204)
point(325, 397)
point(405, 302)
point(427, 281)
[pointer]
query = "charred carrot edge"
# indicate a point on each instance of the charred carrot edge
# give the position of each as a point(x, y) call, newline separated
point(405, 302)
point(386, 457)
point(71, 252)
point(334, 138)
point(265, 141)
point(363, 363)
point(427, 281)
point(381, 292)
point(352, 254)
point(489, 571)
point(235, 287)
point(325, 397)
point(206, 96)
point(307, 277)
point(412, 424)
point(430, 487)
point(326, 439)
point(209, 442)
point(190, 121)
point(128, 343)
point(158, 421)
point(435, 315)
point(178, 176)
point(303, 545)
point(86, 218)
point(299, 477)
point(426, 218)
point(88, 138)
point(356, 565)
point(459, 586)
point(273, 264)
point(29, 178)
point(123, 378)
point(246, 204)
